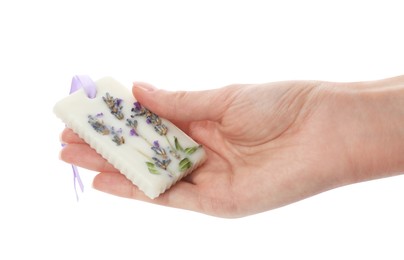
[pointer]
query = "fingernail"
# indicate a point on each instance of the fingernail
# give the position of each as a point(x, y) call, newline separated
point(144, 86)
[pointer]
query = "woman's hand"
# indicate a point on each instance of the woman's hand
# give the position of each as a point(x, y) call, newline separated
point(268, 145)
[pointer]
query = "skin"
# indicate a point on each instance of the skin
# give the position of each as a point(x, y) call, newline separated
point(268, 145)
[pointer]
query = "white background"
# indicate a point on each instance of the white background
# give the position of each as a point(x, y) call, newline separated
point(186, 45)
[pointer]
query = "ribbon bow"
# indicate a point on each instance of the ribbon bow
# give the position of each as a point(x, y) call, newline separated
point(89, 87)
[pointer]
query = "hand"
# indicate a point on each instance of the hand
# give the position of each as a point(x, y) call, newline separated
point(268, 145)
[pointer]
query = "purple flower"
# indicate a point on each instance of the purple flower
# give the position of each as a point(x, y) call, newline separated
point(161, 164)
point(133, 132)
point(138, 110)
point(98, 125)
point(151, 118)
point(158, 150)
point(137, 105)
point(133, 125)
point(114, 104)
point(161, 129)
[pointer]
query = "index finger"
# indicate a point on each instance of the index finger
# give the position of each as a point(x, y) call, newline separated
point(68, 136)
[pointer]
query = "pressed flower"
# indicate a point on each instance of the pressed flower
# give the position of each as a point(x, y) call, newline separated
point(98, 124)
point(154, 119)
point(163, 164)
point(114, 105)
point(160, 151)
point(117, 136)
point(133, 125)
point(137, 105)
point(151, 118)
point(138, 109)
point(133, 132)
point(161, 129)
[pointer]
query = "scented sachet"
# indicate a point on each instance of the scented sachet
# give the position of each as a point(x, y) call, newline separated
point(149, 150)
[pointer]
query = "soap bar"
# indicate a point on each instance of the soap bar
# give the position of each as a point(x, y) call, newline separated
point(149, 150)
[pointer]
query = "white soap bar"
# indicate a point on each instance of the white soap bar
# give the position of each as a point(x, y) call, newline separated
point(150, 151)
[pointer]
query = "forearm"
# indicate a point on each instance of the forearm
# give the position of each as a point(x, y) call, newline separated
point(374, 128)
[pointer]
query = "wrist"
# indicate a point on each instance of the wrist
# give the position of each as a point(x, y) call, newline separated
point(374, 129)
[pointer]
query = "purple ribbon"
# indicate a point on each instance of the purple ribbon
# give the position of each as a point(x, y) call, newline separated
point(89, 87)
point(85, 82)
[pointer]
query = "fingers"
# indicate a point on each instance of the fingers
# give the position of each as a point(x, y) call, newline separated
point(182, 195)
point(79, 153)
point(185, 105)
point(117, 184)
point(68, 136)
point(82, 155)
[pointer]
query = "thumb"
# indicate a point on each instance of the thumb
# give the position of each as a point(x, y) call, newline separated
point(182, 105)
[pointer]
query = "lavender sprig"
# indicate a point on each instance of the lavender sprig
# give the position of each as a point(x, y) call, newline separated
point(114, 104)
point(151, 118)
point(98, 124)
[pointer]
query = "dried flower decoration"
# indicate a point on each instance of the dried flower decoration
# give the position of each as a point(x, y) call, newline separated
point(161, 159)
point(163, 164)
point(159, 150)
point(151, 118)
point(114, 104)
point(98, 124)
point(138, 110)
point(161, 129)
point(117, 136)
point(133, 125)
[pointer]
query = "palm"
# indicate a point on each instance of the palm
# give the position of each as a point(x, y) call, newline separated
point(253, 150)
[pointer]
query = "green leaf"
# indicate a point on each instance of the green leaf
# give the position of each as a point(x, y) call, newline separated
point(178, 147)
point(152, 168)
point(191, 150)
point(185, 164)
